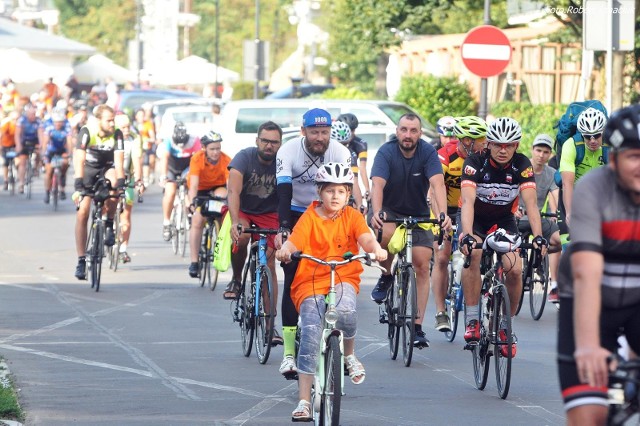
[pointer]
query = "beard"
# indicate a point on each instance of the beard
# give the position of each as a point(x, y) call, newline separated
point(266, 157)
point(408, 148)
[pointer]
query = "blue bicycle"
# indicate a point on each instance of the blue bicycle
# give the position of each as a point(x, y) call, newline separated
point(255, 306)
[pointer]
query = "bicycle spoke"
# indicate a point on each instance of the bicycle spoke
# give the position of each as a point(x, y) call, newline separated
point(265, 321)
point(332, 392)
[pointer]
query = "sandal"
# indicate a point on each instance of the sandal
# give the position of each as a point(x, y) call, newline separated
point(356, 370)
point(231, 292)
point(302, 413)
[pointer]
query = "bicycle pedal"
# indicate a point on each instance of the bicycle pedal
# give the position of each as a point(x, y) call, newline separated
point(469, 346)
point(291, 376)
point(383, 319)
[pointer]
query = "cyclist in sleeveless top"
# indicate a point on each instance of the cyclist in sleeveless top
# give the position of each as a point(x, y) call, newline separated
point(598, 278)
point(57, 141)
point(8, 142)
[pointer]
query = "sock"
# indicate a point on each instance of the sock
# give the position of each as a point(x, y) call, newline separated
point(123, 247)
point(553, 284)
point(289, 337)
point(166, 222)
point(82, 258)
point(471, 313)
point(418, 327)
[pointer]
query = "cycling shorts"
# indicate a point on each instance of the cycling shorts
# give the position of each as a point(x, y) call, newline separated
point(28, 147)
point(613, 323)
point(5, 151)
point(264, 220)
point(483, 226)
point(91, 176)
point(148, 153)
point(549, 227)
point(50, 154)
point(177, 167)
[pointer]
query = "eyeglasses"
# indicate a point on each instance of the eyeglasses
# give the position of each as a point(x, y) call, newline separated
point(593, 136)
point(269, 141)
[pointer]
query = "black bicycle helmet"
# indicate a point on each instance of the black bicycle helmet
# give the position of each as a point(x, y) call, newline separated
point(623, 128)
point(180, 134)
point(210, 137)
point(350, 119)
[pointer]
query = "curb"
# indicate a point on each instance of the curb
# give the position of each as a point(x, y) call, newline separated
point(5, 382)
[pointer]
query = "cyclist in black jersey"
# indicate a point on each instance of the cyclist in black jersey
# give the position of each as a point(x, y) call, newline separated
point(599, 273)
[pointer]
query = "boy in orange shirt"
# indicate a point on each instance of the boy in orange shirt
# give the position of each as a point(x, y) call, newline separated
point(328, 229)
point(208, 175)
point(7, 135)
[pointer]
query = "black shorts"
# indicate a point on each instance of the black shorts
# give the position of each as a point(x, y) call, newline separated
point(28, 147)
point(206, 193)
point(421, 237)
point(91, 176)
point(177, 167)
point(5, 151)
point(613, 323)
point(549, 227)
point(483, 226)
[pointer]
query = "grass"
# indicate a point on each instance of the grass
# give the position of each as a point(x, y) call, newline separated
point(9, 406)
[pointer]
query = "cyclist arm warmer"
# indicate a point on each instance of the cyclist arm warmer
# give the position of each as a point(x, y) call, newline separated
point(285, 193)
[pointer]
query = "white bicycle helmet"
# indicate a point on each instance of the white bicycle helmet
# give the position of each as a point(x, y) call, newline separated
point(210, 137)
point(504, 130)
point(334, 173)
point(591, 121)
point(445, 126)
point(341, 132)
point(501, 241)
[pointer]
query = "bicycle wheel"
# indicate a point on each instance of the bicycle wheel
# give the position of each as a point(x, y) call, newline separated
point(28, 178)
point(204, 255)
point(115, 249)
point(392, 303)
point(213, 272)
point(480, 354)
point(184, 230)
point(450, 303)
point(332, 392)
point(11, 178)
point(503, 344)
point(265, 320)
point(245, 302)
point(409, 314)
point(538, 288)
point(54, 188)
point(174, 223)
point(88, 252)
point(97, 254)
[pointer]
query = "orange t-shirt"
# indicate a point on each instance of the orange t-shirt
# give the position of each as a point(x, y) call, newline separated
point(211, 175)
point(8, 133)
point(326, 239)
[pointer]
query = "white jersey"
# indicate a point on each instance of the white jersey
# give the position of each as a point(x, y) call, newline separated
point(295, 165)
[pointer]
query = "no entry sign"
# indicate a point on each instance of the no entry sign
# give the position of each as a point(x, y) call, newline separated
point(486, 51)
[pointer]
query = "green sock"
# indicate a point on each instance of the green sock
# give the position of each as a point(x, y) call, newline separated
point(289, 337)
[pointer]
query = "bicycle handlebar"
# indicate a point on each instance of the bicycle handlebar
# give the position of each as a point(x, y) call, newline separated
point(253, 230)
point(347, 258)
point(412, 222)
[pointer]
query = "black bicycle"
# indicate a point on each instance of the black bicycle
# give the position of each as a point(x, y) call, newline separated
point(12, 170)
point(211, 210)
point(400, 309)
point(624, 392)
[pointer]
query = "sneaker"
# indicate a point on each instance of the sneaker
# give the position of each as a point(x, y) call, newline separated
point(553, 296)
point(63, 196)
point(124, 257)
point(504, 351)
point(109, 237)
point(166, 232)
point(288, 366)
point(47, 197)
point(420, 340)
point(472, 331)
point(442, 322)
point(379, 293)
point(81, 269)
point(193, 270)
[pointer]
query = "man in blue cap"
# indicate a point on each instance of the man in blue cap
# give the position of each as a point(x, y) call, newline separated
point(296, 165)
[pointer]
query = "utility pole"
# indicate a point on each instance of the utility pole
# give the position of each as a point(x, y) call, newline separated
point(482, 111)
point(217, 51)
point(256, 85)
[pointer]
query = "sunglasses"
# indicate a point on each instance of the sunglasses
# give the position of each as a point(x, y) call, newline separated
point(593, 136)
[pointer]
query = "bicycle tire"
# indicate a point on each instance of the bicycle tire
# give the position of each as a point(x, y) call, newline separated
point(332, 393)
point(538, 289)
point(203, 254)
point(265, 321)
point(119, 238)
point(392, 304)
point(213, 272)
point(54, 188)
point(450, 303)
point(410, 311)
point(480, 354)
point(88, 251)
point(28, 179)
point(246, 316)
point(175, 231)
point(502, 315)
point(184, 230)
point(11, 178)
point(98, 248)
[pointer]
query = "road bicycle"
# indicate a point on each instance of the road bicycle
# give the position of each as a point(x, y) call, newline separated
point(179, 222)
point(255, 306)
point(624, 392)
point(12, 171)
point(328, 382)
point(114, 250)
point(211, 210)
point(400, 309)
point(56, 179)
point(535, 274)
point(32, 159)
point(454, 299)
point(95, 247)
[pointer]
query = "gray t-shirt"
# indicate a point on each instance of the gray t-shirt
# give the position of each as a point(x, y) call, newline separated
point(258, 182)
point(545, 183)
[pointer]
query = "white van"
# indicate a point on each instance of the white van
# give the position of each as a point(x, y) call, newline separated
point(378, 119)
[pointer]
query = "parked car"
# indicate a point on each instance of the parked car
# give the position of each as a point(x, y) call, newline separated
point(301, 91)
point(131, 100)
point(378, 119)
point(197, 118)
point(158, 108)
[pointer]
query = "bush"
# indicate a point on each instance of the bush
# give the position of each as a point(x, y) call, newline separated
point(435, 97)
point(342, 92)
point(534, 119)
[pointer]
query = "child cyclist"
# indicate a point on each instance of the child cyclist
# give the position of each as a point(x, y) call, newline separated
point(328, 229)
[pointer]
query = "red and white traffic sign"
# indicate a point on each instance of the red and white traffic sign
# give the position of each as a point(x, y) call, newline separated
point(486, 51)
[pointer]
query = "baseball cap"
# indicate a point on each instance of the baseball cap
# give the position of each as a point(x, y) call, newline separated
point(543, 139)
point(316, 117)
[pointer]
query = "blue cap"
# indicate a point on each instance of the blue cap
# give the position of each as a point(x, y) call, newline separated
point(316, 117)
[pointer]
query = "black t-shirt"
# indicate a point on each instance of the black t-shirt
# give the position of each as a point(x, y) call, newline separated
point(258, 194)
point(497, 187)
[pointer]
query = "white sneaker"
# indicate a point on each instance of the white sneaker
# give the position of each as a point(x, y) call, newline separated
point(288, 366)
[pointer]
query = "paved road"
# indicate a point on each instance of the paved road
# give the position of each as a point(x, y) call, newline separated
point(152, 347)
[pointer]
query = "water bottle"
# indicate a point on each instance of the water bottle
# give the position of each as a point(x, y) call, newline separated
point(457, 261)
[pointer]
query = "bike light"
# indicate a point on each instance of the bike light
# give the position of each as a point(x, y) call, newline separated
point(331, 316)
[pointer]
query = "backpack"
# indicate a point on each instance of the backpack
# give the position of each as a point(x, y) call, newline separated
point(568, 128)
